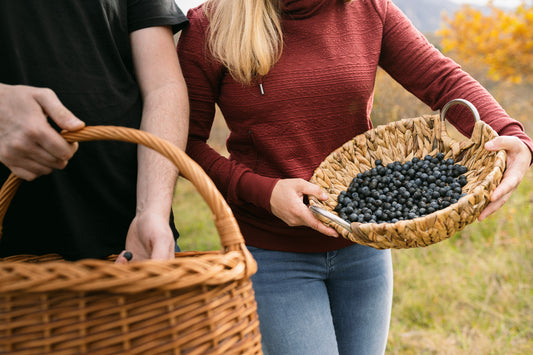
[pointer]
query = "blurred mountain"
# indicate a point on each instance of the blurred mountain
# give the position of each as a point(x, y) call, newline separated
point(426, 15)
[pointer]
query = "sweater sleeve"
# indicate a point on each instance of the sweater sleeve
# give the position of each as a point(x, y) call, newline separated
point(203, 75)
point(436, 79)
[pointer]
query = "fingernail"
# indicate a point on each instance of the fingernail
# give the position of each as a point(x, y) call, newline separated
point(128, 255)
point(325, 196)
point(489, 145)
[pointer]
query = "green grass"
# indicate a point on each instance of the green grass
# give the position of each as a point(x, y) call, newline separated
point(193, 219)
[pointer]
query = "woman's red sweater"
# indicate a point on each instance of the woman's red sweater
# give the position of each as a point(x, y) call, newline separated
point(317, 97)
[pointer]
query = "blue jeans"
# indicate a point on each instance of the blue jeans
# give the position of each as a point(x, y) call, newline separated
point(336, 302)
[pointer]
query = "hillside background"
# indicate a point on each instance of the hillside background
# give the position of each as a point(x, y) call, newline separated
point(426, 15)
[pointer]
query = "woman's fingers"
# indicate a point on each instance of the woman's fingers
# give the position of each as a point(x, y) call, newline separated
point(518, 162)
point(287, 204)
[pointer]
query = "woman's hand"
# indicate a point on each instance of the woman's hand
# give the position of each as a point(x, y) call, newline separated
point(518, 161)
point(287, 204)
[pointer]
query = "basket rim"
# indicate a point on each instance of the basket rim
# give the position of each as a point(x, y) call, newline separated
point(98, 275)
point(361, 231)
point(232, 261)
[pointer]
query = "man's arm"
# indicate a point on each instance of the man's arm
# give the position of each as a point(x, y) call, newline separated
point(165, 114)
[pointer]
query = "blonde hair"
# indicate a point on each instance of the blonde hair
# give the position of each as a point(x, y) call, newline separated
point(245, 36)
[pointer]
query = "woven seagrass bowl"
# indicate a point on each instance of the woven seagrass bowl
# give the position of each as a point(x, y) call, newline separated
point(402, 141)
point(197, 303)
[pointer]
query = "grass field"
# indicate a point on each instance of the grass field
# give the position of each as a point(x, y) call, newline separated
point(470, 294)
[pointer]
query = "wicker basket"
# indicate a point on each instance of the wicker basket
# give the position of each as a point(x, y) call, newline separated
point(198, 303)
point(401, 141)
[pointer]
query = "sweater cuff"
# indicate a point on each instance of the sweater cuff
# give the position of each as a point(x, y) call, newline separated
point(256, 189)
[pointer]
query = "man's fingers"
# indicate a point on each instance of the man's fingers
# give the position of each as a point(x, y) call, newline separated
point(162, 252)
point(48, 138)
point(30, 146)
point(124, 257)
point(29, 169)
point(52, 142)
point(45, 158)
point(29, 175)
point(28, 161)
point(57, 111)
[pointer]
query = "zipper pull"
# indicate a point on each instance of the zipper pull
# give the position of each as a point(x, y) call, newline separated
point(261, 88)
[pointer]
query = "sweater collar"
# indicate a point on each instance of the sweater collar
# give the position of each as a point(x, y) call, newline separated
point(299, 9)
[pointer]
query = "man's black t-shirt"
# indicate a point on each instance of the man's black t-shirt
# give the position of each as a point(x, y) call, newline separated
point(81, 50)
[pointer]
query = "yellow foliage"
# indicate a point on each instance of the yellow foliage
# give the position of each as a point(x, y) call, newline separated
point(502, 40)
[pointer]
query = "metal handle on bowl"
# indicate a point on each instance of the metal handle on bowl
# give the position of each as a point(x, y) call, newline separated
point(344, 224)
point(462, 102)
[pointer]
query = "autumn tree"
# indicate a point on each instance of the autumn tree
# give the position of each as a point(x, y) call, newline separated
point(501, 39)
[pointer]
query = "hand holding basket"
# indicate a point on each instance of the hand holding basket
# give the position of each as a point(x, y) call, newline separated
point(200, 302)
point(402, 141)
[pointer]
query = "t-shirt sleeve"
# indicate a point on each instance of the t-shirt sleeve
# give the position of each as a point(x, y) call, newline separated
point(150, 13)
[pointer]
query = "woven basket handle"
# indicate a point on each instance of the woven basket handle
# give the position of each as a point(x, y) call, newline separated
point(225, 223)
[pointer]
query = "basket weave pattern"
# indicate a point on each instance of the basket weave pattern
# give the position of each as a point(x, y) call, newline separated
point(198, 303)
point(402, 141)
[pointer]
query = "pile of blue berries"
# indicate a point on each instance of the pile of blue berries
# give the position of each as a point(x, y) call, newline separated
point(395, 192)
